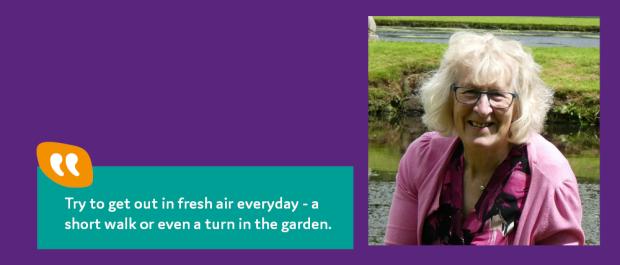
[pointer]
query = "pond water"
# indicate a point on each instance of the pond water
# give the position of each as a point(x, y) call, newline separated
point(528, 38)
point(388, 140)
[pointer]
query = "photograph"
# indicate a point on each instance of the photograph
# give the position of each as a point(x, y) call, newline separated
point(483, 130)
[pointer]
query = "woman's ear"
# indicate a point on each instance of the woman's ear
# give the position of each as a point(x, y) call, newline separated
point(516, 110)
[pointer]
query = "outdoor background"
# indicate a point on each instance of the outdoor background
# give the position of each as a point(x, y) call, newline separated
point(402, 51)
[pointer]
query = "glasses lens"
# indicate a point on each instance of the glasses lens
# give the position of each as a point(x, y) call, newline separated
point(498, 100)
point(467, 95)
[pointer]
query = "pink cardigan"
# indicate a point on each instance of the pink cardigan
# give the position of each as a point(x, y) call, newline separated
point(552, 210)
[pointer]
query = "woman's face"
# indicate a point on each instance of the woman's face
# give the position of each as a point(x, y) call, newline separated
point(480, 124)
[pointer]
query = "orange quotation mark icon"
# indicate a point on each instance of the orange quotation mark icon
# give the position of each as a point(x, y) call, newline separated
point(65, 164)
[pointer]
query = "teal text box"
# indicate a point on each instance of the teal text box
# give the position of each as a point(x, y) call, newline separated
point(328, 227)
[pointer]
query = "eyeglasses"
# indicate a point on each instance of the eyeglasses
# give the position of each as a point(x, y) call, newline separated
point(470, 96)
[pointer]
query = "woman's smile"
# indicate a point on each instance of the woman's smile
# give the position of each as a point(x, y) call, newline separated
point(480, 125)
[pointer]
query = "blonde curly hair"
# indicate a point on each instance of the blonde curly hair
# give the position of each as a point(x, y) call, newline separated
point(485, 59)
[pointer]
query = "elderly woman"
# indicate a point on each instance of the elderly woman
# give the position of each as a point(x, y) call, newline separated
point(485, 176)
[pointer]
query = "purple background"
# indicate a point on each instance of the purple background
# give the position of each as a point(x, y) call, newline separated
point(229, 83)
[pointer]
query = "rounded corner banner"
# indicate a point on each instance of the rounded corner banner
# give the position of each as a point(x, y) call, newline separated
point(80, 206)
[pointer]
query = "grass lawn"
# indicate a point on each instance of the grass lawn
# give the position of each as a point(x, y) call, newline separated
point(571, 69)
point(575, 69)
point(389, 61)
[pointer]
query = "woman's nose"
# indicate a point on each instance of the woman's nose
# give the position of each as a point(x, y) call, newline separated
point(483, 106)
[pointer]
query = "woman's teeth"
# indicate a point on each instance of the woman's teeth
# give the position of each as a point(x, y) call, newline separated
point(480, 125)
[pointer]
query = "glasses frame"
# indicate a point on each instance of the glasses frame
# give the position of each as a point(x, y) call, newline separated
point(454, 87)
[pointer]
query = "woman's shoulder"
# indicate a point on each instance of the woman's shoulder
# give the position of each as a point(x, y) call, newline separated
point(421, 157)
point(546, 160)
point(553, 196)
point(429, 144)
point(426, 151)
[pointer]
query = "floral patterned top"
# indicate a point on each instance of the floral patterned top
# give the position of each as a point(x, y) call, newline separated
point(496, 214)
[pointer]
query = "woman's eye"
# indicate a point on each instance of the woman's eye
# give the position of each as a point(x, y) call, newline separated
point(471, 92)
point(497, 95)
